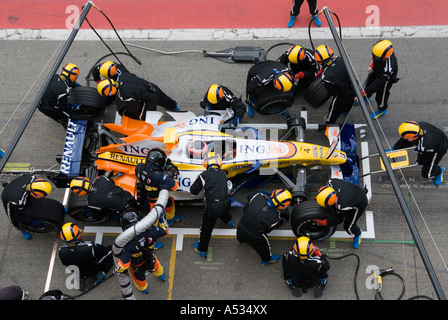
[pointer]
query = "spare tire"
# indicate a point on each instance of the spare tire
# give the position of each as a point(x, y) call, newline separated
point(302, 223)
point(271, 101)
point(92, 104)
point(316, 94)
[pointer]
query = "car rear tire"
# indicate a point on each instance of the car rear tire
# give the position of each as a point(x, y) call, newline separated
point(302, 223)
point(47, 215)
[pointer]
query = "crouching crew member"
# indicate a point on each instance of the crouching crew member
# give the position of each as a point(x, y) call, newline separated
point(305, 267)
point(431, 145)
point(262, 214)
point(219, 97)
point(348, 200)
point(93, 259)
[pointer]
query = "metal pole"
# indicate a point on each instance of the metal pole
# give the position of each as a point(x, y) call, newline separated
point(53, 70)
point(389, 171)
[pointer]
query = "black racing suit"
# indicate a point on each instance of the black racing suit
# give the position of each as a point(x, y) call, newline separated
point(258, 220)
point(431, 148)
point(136, 96)
point(260, 76)
point(229, 101)
point(337, 82)
point(304, 273)
point(380, 81)
point(91, 258)
point(106, 195)
point(351, 204)
point(308, 66)
point(14, 198)
point(217, 201)
point(296, 4)
point(54, 102)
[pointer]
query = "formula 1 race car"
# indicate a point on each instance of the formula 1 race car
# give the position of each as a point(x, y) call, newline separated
point(94, 148)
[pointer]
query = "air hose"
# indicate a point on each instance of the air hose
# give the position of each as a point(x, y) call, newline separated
point(380, 276)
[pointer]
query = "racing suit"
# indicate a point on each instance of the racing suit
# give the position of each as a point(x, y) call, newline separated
point(380, 80)
point(14, 198)
point(304, 273)
point(259, 218)
point(91, 258)
point(351, 204)
point(260, 76)
point(54, 102)
point(229, 101)
point(135, 96)
point(151, 179)
point(105, 195)
point(216, 199)
point(138, 256)
point(308, 66)
point(431, 148)
point(337, 82)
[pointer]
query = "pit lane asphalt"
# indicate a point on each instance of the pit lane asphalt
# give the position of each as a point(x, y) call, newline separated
point(234, 272)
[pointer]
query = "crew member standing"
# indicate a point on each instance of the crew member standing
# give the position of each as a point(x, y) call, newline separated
point(138, 254)
point(219, 97)
point(305, 267)
point(336, 81)
point(431, 143)
point(383, 72)
point(151, 178)
point(216, 199)
point(295, 10)
point(348, 200)
point(262, 214)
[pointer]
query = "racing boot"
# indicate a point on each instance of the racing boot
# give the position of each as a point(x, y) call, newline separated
point(162, 277)
point(377, 114)
point(320, 288)
point(26, 235)
point(274, 259)
point(177, 218)
point(100, 278)
point(439, 179)
point(316, 20)
point(203, 254)
point(291, 21)
point(230, 224)
point(158, 245)
point(250, 111)
point(357, 241)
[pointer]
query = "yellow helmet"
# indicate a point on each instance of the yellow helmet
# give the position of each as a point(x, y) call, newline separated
point(283, 81)
point(70, 71)
point(214, 93)
point(108, 69)
point(326, 196)
point(39, 188)
point(323, 54)
point(281, 198)
point(383, 49)
point(212, 158)
point(80, 186)
point(296, 54)
point(303, 247)
point(107, 87)
point(409, 130)
point(70, 232)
